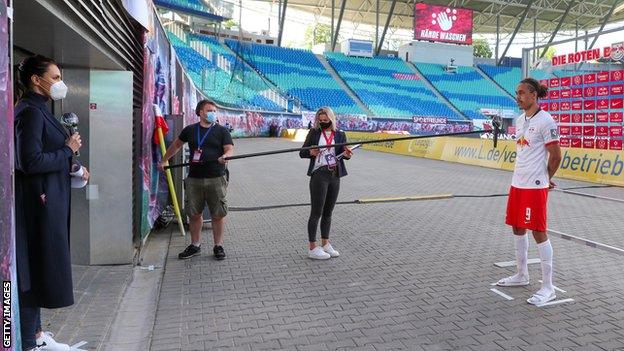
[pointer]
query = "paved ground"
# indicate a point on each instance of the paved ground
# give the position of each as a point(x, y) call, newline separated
point(411, 276)
point(98, 291)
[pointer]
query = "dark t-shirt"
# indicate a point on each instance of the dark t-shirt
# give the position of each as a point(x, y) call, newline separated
point(212, 149)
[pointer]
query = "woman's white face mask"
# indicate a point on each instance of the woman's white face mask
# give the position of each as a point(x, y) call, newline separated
point(58, 90)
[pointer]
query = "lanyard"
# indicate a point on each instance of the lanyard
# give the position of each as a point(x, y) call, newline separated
point(329, 140)
point(201, 142)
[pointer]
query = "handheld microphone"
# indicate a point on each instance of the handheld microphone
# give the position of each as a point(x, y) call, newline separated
point(70, 121)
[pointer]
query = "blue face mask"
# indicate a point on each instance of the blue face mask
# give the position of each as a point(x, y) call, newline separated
point(211, 116)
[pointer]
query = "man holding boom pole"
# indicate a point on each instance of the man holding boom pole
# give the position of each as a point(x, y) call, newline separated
point(206, 182)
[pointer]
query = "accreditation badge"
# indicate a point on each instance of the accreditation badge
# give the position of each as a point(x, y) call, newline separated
point(197, 156)
point(331, 161)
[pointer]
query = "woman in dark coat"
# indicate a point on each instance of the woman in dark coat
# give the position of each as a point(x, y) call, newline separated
point(325, 170)
point(43, 159)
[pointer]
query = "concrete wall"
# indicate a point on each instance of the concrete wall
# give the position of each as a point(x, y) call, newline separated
point(439, 53)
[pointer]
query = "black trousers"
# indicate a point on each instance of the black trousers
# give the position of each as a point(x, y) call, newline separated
point(324, 188)
point(30, 324)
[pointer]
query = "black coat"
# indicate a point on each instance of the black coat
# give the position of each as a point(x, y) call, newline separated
point(42, 205)
point(313, 138)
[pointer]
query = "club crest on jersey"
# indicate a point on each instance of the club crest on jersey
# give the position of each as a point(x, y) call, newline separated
point(522, 141)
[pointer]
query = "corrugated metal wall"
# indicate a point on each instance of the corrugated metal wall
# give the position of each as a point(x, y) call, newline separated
point(122, 37)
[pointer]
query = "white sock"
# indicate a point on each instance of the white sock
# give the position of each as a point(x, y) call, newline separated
point(522, 251)
point(546, 257)
point(196, 244)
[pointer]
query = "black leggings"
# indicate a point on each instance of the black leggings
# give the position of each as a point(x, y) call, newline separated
point(324, 188)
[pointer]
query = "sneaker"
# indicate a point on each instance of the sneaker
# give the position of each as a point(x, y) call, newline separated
point(330, 250)
point(219, 253)
point(318, 254)
point(47, 342)
point(189, 252)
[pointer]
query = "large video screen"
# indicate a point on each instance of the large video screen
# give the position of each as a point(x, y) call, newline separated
point(442, 23)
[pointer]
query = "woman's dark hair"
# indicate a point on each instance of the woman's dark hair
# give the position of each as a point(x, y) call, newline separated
point(536, 86)
point(202, 103)
point(32, 65)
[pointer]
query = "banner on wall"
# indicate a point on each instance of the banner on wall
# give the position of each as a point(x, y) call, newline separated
point(11, 331)
point(156, 92)
point(588, 55)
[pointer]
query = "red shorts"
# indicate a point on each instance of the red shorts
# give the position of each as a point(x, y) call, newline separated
point(526, 208)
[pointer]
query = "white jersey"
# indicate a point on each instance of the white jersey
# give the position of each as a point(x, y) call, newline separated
point(532, 136)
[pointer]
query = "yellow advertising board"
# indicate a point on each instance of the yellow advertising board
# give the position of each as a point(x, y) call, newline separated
point(596, 166)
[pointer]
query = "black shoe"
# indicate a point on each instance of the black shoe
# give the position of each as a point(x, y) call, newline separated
point(219, 253)
point(189, 252)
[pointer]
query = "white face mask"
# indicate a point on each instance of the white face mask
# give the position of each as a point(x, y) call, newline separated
point(58, 90)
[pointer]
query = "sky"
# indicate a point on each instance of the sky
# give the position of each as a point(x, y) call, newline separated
point(262, 15)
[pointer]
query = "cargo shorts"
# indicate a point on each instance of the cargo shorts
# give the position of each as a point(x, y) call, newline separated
point(200, 192)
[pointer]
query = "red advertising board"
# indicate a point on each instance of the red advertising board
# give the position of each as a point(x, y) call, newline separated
point(602, 77)
point(603, 91)
point(577, 80)
point(589, 92)
point(617, 76)
point(565, 106)
point(589, 131)
point(615, 131)
point(566, 81)
point(577, 105)
point(615, 117)
point(577, 118)
point(565, 118)
point(554, 82)
point(616, 103)
point(615, 144)
point(602, 131)
point(554, 94)
point(577, 92)
point(588, 143)
point(576, 142)
point(602, 117)
point(603, 104)
point(602, 144)
point(589, 117)
point(442, 23)
point(589, 78)
point(564, 130)
point(564, 142)
point(589, 104)
point(565, 93)
point(617, 89)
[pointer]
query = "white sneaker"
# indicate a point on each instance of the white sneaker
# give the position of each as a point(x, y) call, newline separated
point(318, 254)
point(47, 342)
point(330, 250)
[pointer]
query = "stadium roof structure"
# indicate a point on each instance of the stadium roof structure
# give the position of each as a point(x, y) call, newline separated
point(490, 16)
